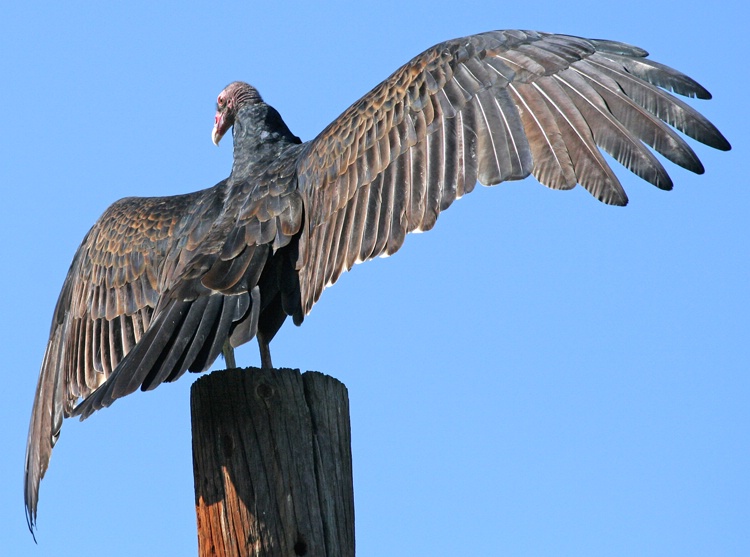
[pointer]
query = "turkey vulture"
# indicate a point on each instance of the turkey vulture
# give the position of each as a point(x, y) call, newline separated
point(163, 285)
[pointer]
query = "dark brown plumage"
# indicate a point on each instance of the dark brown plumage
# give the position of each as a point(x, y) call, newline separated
point(160, 286)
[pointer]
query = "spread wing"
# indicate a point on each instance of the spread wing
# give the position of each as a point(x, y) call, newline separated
point(156, 288)
point(491, 107)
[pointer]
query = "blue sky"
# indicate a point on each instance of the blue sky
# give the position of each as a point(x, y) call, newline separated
point(539, 375)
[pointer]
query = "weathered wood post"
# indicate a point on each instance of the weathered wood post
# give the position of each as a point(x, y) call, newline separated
point(272, 464)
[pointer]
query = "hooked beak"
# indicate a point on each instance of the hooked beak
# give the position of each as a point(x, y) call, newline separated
point(223, 120)
point(217, 133)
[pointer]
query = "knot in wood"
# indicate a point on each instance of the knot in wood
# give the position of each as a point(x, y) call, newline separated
point(300, 548)
point(264, 391)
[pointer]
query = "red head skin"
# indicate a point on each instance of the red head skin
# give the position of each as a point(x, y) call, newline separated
point(228, 103)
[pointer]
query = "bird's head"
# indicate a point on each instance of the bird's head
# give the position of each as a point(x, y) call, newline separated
point(230, 100)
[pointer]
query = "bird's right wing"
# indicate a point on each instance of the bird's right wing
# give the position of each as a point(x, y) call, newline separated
point(491, 107)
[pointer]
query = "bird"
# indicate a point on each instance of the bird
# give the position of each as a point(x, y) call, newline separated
point(163, 285)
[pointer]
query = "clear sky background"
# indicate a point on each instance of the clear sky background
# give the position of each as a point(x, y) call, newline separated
point(540, 375)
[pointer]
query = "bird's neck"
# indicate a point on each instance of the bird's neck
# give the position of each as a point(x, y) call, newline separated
point(260, 137)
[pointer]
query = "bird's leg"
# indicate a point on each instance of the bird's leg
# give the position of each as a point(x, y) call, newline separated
point(228, 352)
point(265, 351)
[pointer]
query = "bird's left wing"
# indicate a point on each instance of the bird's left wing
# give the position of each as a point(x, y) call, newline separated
point(106, 304)
point(157, 287)
point(491, 107)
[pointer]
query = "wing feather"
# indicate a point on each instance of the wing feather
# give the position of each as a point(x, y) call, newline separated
point(332, 251)
point(660, 103)
point(591, 170)
point(647, 127)
point(552, 163)
point(610, 134)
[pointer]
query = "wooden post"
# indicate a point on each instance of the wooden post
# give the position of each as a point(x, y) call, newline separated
point(272, 464)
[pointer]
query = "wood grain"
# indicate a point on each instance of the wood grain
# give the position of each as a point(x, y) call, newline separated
point(272, 464)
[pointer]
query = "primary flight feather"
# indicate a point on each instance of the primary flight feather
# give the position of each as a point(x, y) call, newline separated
point(163, 285)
